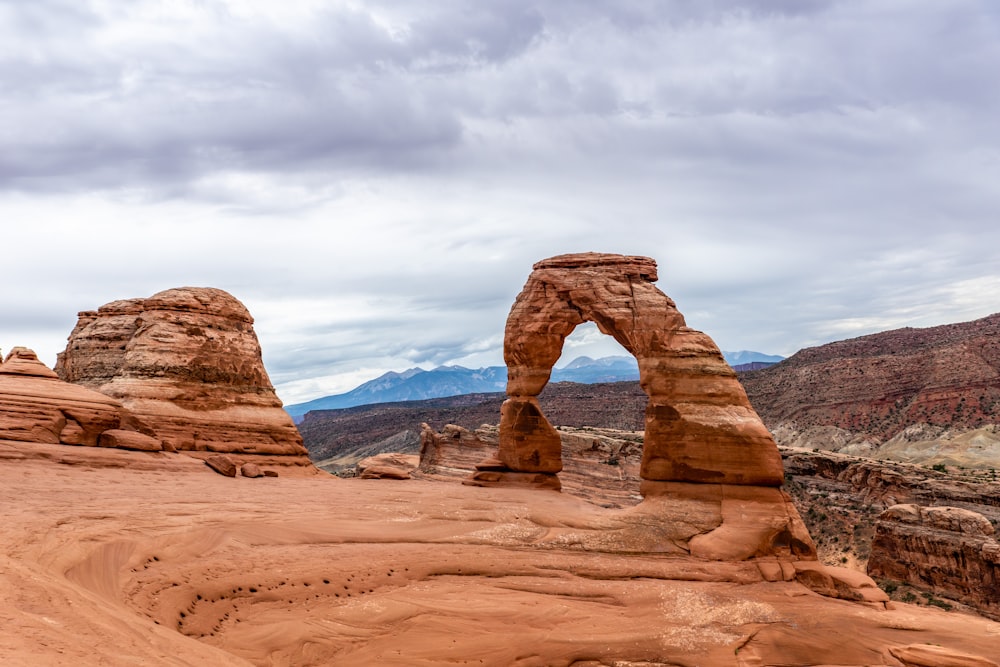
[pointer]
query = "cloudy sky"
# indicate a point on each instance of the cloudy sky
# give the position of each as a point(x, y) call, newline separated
point(374, 179)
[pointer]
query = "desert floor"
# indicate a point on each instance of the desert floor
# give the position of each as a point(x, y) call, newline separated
point(118, 558)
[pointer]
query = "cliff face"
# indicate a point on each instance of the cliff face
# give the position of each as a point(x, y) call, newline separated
point(890, 391)
point(187, 365)
point(949, 550)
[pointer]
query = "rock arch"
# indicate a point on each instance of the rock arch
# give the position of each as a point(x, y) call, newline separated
point(700, 427)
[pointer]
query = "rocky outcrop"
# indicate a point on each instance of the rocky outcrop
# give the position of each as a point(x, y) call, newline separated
point(187, 365)
point(36, 406)
point(950, 550)
point(599, 465)
point(699, 427)
point(704, 446)
point(908, 394)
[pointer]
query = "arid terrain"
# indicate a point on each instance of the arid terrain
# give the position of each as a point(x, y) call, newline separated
point(122, 558)
point(161, 509)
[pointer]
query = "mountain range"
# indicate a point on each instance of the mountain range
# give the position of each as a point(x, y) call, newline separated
point(418, 384)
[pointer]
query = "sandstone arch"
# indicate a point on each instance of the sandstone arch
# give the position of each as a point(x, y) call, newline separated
point(700, 427)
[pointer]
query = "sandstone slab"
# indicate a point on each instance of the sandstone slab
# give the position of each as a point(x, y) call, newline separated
point(122, 439)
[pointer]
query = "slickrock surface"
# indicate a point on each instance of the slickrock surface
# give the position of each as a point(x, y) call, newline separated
point(699, 424)
point(124, 558)
point(947, 549)
point(908, 394)
point(36, 406)
point(187, 365)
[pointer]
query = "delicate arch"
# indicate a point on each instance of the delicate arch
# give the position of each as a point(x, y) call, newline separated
point(700, 426)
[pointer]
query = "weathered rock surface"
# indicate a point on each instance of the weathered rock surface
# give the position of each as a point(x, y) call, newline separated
point(251, 470)
point(922, 395)
point(187, 365)
point(387, 466)
point(222, 464)
point(931, 655)
point(36, 406)
point(948, 549)
point(122, 439)
point(600, 466)
point(159, 561)
point(699, 424)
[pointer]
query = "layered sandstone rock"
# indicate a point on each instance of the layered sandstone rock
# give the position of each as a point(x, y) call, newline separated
point(704, 449)
point(908, 394)
point(699, 424)
point(187, 365)
point(600, 466)
point(36, 406)
point(948, 549)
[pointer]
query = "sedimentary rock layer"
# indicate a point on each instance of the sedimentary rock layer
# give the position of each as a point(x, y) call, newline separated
point(699, 424)
point(871, 389)
point(187, 365)
point(949, 549)
point(36, 406)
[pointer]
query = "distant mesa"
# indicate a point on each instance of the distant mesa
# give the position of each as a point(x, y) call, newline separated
point(186, 365)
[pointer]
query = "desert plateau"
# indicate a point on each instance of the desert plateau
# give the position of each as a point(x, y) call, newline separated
point(161, 509)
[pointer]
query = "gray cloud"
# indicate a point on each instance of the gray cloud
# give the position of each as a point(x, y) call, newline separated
point(376, 180)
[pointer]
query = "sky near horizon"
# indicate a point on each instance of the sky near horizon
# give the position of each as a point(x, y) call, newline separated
point(374, 180)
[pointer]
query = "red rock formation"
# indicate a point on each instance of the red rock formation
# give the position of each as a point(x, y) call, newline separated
point(874, 387)
point(187, 365)
point(36, 406)
point(699, 424)
point(948, 549)
point(599, 466)
point(705, 449)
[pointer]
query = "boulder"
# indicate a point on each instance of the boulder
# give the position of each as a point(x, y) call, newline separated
point(251, 470)
point(121, 439)
point(222, 464)
point(187, 365)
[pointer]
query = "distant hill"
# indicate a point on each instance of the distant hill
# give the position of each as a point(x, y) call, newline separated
point(903, 394)
point(417, 384)
point(336, 433)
